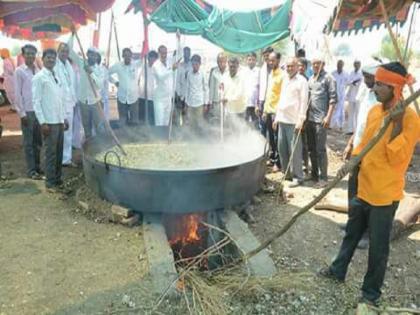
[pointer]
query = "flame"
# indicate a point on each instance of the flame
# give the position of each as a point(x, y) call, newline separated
point(187, 229)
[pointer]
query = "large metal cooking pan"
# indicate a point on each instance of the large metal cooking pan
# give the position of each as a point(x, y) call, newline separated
point(169, 191)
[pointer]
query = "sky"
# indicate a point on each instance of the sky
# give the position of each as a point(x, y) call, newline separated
point(316, 12)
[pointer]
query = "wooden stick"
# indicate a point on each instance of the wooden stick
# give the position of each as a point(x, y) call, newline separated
point(116, 35)
point(396, 47)
point(101, 112)
point(108, 52)
point(222, 116)
point(346, 168)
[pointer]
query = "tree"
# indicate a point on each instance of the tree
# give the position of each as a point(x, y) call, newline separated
point(387, 49)
point(16, 50)
point(343, 49)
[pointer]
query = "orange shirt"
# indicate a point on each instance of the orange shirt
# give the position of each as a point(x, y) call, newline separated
point(382, 171)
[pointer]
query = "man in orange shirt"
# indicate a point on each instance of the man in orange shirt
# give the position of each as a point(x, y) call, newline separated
point(380, 182)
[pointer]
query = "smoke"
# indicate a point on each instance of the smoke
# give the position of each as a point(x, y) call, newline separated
point(241, 143)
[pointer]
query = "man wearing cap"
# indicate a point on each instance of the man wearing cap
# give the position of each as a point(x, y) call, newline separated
point(65, 74)
point(163, 93)
point(89, 95)
point(380, 181)
point(322, 101)
point(216, 89)
point(354, 82)
point(341, 78)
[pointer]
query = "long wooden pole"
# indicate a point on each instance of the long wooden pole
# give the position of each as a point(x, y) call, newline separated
point(108, 52)
point(116, 36)
point(396, 47)
point(101, 112)
point(346, 168)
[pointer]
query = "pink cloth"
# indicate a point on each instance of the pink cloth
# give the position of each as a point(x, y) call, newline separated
point(9, 84)
point(23, 90)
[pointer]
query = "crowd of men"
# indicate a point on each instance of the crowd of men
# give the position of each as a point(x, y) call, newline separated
point(291, 101)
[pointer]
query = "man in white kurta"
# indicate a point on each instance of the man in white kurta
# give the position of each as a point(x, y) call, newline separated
point(163, 74)
point(341, 79)
point(354, 81)
point(216, 77)
point(65, 74)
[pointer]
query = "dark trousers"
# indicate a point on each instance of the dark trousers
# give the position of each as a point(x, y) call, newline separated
point(128, 113)
point(305, 150)
point(32, 143)
point(379, 219)
point(54, 155)
point(150, 112)
point(317, 144)
point(91, 119)
point(352, 184)
point(272, 138)
point(251, 117)
point(261, 123)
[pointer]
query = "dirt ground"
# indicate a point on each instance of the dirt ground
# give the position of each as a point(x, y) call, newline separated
point(57, 260)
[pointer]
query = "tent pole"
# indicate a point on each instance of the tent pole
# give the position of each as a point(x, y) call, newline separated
point(409, 34)
point(116, 35)
point(145, 50)
point(101, 112)
point(396, 47)
point(108, 52)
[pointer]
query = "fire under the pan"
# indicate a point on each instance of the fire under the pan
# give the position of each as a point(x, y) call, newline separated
point(198, 238)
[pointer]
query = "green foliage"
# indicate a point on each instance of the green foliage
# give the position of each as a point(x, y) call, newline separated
point(387, 49)
point(15, 50)
point(343, 49)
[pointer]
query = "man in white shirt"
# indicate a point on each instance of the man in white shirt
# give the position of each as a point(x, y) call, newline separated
point(51, 112)
point(152, 56)
point(196, 95)
point(341, 79)
point(235, 95)
point(289, 120)
point(354, 80)
point(263, 82)
point(183, 69)
point(31, 131)
point(163, 74)
point(89, 98)
point(65, 74)
point(217, 75)
point(104, 85)
point(128, 88)
point(252, 75)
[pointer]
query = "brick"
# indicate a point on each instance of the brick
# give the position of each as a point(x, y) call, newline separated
point(83, 205)
point(261, 264)
point(131, 221)
point(121, 211)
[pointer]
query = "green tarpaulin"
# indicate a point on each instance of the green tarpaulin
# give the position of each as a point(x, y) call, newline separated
point(238, 32)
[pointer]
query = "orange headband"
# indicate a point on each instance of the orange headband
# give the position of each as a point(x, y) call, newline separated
point(393, 79)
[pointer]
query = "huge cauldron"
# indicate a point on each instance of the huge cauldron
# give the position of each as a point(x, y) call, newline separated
point(169, 191)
